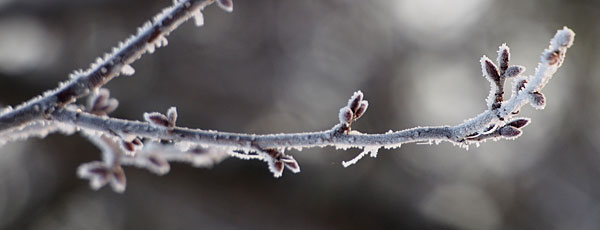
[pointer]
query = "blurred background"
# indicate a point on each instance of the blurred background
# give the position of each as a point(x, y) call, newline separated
point(277, 66)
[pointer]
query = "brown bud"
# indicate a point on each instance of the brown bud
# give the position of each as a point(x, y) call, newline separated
point(513, 71)
point(538, 100)
point(158, 164)
point(491, 70)
point(361, 109)
point(509, 131)
point(355, 100)
point(130, 147)
point(503, 57)
point(278, 166)
point(346, 115)
point(98, 171)
point(156, 119)
point(518, 123)
point(98, 99)
point(290, 163)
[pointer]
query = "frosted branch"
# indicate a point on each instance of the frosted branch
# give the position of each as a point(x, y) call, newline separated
point(155, 142)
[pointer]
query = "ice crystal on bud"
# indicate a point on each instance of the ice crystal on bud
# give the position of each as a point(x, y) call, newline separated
point(513, 71)
point(226, 5)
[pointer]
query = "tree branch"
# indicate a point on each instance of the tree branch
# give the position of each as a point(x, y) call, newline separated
point(153, 143)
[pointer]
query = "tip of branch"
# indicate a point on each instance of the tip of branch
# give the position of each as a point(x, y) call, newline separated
point(563, 38)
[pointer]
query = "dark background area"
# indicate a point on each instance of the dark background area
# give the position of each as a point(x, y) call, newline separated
point(277, 66)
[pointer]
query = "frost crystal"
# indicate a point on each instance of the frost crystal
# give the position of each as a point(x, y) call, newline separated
point(127, 70)
point(199, 18)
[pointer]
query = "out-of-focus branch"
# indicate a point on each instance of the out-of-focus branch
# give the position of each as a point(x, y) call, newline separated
point(150, 35)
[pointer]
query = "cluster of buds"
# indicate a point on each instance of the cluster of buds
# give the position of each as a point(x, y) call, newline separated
point(355, 109)
point(497, 75)
point(161, 120)
point(100, 103)
point(277, 160)
point(100, 173)
point(509, 130)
